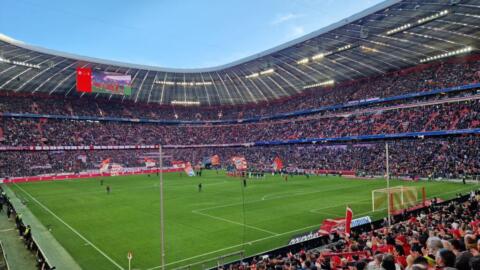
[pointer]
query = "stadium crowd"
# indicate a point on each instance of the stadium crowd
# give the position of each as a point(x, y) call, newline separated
point(431, 157)
point(445, 237)
point(421, 78)
point(442, 237)
point(452, 157)
point(446, 116)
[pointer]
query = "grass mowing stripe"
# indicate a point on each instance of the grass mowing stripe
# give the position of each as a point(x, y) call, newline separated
point(263, 199)
point(125, 221)
point(296, 230)
point(117, 190)
point(234, 246)
point(257, 240)
point(234, 222)
point(70, 227)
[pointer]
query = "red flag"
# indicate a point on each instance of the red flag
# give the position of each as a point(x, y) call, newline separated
point(240, 163)
point(348, 220)
point(84, 80)
point(330, 225)
point(178, 164)
point(215, 160)
point(149, 162)
point(188, 169)
point(105, 162)
point(277, 164)
point(104, 165)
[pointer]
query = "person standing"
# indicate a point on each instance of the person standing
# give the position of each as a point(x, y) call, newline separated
point(445, 259)
point(200, 187)
point(108, 189)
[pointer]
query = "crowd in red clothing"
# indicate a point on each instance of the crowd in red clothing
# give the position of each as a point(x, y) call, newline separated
point(445, 237)
point(453, 157)
point(446, 116)
point(418, 79)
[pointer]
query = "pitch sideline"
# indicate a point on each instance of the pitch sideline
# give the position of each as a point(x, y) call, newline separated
point(280, 234)
point(71, 228)
point(204, 254)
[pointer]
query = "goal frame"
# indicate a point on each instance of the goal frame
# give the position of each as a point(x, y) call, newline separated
point(393, 190)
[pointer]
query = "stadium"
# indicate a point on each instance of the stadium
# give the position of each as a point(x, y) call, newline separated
point(355, 146)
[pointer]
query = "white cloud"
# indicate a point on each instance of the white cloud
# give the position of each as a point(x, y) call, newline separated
point(281, 18)
point(295, 31)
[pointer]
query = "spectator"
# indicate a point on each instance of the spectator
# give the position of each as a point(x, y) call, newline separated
point(445, 259)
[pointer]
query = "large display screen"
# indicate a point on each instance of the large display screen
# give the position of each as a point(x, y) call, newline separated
point(112, 83)
point(95, 81)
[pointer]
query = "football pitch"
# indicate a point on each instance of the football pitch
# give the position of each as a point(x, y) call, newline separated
point(98, 229)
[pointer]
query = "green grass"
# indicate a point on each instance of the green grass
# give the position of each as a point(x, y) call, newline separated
point(199, 225)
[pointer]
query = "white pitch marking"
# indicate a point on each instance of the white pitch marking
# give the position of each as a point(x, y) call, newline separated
point(234, 246)
point(234, 222)
point(71, 228)
point(278, 197)
point(333, 206)
point(268, 237)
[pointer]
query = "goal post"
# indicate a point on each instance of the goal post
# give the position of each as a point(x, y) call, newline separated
point(399, 197)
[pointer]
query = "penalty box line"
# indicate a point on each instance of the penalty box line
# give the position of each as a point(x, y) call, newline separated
point(179, 261)
point(273, 234)
point(239, 245)
point(199, 211)
point(71, 228)
point(280, 234)
point(282, 195)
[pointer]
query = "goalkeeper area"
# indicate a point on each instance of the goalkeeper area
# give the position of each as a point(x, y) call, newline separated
point(98, 229)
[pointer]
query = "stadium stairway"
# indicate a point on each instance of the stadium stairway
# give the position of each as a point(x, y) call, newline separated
point(18, 257)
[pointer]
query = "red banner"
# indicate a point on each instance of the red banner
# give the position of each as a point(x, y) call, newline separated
point(105, 162)
point(348, 220)
point(80, 176)
point(240, 163)
point(84, 80)
point(188, 169)
point(178, 164)
point(277, 164)
point(215, 160)
point(331, 225)
point(149, 162)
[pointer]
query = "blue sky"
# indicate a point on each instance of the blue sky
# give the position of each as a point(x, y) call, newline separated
point(175, 33)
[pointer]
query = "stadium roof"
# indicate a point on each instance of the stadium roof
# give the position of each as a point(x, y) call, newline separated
point(389, 36)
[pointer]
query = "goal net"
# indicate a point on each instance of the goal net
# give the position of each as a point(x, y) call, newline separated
point(399, 197)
